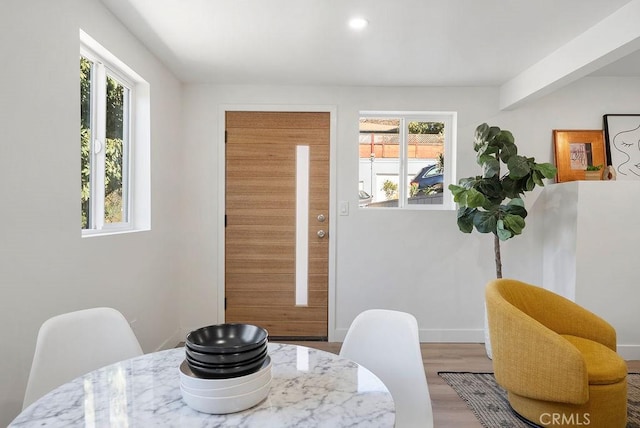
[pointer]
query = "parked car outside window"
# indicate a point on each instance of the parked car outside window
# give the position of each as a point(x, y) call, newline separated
point(428, 176)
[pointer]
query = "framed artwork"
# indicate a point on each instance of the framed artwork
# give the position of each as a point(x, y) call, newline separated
point(622, 135)
point(577, 149)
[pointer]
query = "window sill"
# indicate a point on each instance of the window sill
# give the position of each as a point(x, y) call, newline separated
point(109, 232)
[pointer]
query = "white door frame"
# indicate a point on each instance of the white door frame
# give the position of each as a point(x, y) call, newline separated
point(332, 110)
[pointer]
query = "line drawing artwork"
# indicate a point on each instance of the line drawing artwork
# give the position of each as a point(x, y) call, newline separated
point(623, 134)
point(628, 143)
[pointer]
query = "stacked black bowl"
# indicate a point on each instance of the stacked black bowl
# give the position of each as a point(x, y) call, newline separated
point(226, 350)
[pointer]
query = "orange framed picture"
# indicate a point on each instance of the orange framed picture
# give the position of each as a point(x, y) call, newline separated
point(575, 150)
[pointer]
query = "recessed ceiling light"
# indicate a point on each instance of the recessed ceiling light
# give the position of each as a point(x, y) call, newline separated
point(358, 23)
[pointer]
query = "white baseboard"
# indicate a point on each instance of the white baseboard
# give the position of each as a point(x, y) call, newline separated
point(629, 352)
point(452, 336)
point(431, 335)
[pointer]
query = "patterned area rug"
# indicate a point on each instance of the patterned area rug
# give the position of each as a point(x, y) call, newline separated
point(489, 402)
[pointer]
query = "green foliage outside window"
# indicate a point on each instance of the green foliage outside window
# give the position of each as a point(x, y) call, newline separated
point(426, 127)
point(114, 152)
point(85, 138)
point(115, 112)
point(390, 189)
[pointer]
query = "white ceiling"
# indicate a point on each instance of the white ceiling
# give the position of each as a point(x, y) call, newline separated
point(408, 42)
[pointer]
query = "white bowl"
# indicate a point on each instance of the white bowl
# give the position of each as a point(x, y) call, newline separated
point(239, 389)
point(220, 406)
point(189, 379)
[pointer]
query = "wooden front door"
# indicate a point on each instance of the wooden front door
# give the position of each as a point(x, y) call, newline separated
point(277, 208)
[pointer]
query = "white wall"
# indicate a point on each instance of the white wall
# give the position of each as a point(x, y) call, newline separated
point(415, 261)
point(394, 267)
point(607, 235)
point(589, 251)
point(46, 268)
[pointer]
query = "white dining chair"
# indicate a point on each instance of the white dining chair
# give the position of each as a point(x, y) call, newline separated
point(75, 343)
point(387, 343)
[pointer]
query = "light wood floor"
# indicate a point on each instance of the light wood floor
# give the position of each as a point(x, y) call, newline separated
point(449, 411)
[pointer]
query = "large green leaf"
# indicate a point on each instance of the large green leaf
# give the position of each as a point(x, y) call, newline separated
point(456, 191)
point(547, 170)
point(505, 137)
point(485, 136)
point(508, 150)
point(469, 182)
point(518, 167)
point(503, 234)
point(480, 138)
point(481, 132)
point(510, 187)
point(474, 198)
point(490, 166)
point(530, 184)
point(486, 150)
point(491, 188)
point(537, 177)
point(485, 222)
point(515, 207)
point(465, 219)
point(494, 131)
point(516, 202)
point(514, 223)
point(479, 147)
point(467, 197)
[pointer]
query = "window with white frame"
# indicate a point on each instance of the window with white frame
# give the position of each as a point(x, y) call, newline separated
point(111, 125)
point(406, 159)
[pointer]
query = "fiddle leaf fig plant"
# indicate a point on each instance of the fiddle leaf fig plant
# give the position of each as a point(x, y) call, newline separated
point(491, 202)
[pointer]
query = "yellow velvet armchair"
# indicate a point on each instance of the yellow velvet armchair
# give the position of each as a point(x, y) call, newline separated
point(557, 361)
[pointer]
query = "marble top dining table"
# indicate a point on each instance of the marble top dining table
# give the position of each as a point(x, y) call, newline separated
point(310, 388)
